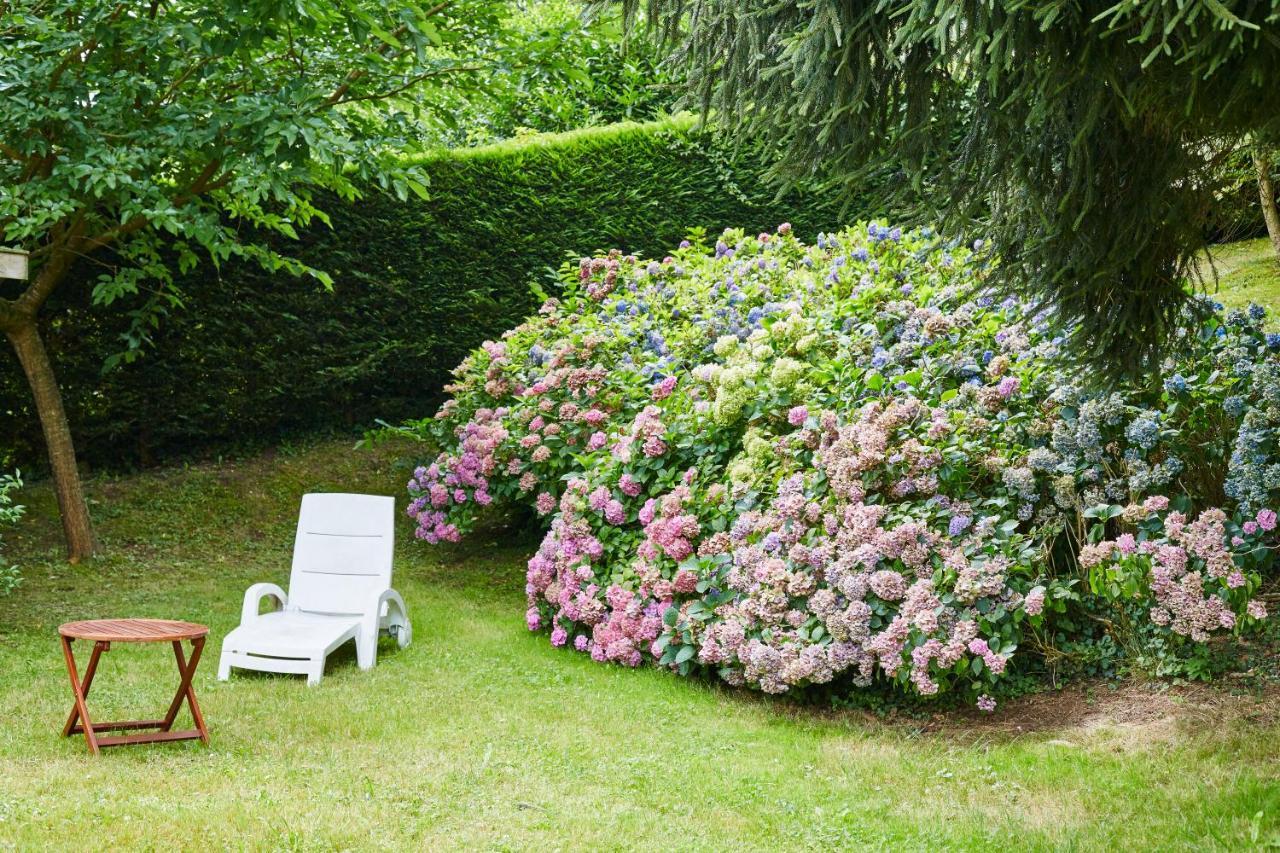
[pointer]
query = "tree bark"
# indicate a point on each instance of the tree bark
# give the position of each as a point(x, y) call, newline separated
point(76, 525)
point(1267, 195)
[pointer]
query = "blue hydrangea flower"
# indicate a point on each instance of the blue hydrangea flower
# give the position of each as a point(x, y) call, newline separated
point(1143, 431)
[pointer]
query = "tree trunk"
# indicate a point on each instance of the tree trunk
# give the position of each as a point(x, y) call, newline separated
point(1267, 195)
point(57, 437)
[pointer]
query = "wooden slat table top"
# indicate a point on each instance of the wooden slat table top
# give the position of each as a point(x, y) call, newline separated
point(132, 630)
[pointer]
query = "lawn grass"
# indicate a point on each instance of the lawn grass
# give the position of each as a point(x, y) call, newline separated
point(482, 736)
point(1248, 271)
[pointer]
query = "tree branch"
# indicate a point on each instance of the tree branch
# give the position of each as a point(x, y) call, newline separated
point(62, 255)
point(180, 79)
point(13, 153)
point(413, 81)
point(202, 184)
point(355, 75)
point(83, 51)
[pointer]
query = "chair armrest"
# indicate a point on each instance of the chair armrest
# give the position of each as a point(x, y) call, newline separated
point(391, 600)
point(253, 598)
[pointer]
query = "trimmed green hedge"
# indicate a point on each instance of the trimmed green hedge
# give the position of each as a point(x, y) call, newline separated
point(255, 357)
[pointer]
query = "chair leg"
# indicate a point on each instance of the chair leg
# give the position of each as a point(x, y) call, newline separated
point(316, 672)
point(224, 667)
point(366, 650)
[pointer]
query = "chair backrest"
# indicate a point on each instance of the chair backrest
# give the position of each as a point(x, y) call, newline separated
point(342, 553)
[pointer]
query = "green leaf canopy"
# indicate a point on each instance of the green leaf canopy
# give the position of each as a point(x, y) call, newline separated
point(171, 132)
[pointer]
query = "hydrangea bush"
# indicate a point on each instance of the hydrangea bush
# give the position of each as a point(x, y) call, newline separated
point(790, 464)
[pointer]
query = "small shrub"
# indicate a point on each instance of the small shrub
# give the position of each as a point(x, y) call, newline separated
point(1186, 579)
point(9, 514)
point(789, 464)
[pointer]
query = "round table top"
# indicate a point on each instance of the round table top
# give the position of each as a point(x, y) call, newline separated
point(132, 630)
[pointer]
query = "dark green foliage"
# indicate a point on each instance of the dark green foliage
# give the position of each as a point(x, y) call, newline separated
point(417, 284)
point(9, 514)
point(1090, 131)
point(580, 72)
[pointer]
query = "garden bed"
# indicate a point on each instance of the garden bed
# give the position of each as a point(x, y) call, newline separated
point(830, 468)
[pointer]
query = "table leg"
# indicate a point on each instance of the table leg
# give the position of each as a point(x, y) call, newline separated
point(83, 712)
point(90, 671)
point(185, 691)
point(197, 647)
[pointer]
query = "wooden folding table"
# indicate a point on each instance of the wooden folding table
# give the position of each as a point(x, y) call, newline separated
point(102, 633)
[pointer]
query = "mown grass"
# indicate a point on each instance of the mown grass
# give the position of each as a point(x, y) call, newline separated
point(480, 735)
point(1248, 271)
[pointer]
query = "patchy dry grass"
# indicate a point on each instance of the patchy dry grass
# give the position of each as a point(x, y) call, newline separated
point(480, 735)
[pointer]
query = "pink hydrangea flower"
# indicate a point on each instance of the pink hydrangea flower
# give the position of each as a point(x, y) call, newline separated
point(685, 582)
point(1156, 503)
point(1034, 604)
point(654, 446)
point(663, 389)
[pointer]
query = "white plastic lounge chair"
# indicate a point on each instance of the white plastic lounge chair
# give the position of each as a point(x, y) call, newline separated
point(339, 590)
